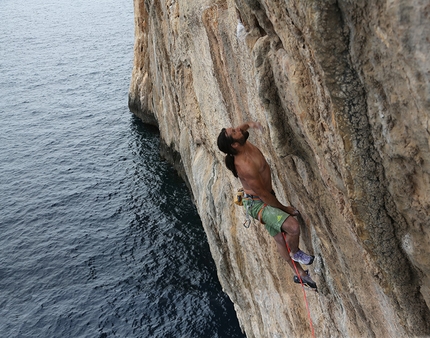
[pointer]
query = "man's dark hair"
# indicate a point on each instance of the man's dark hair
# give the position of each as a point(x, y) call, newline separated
point(224, 144)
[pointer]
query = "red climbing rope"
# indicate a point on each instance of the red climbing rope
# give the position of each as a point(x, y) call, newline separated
point(303, 288)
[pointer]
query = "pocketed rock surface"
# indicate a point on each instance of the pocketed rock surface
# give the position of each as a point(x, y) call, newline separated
point(342, 90)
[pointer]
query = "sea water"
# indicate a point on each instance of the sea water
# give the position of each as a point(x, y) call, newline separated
point(99, 236)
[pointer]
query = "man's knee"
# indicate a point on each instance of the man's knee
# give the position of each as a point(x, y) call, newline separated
point(291, 226)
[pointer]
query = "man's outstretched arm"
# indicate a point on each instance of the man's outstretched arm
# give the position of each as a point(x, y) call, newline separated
point(254, 125)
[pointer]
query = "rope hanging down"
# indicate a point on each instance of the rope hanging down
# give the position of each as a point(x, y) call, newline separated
point(303, 288)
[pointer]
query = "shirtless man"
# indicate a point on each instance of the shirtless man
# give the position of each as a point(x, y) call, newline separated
point(248, 164)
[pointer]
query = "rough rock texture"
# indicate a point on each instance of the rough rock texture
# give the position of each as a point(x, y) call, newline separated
point(342, 88)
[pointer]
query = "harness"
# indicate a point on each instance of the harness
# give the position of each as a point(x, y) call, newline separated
point(260, 212)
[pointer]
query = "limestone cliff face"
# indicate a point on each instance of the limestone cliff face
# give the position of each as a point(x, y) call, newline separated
point(342, 89)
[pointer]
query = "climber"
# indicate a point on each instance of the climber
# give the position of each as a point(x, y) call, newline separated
point(247, 163)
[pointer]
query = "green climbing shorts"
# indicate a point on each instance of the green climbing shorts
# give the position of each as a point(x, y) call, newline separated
point(272, 218)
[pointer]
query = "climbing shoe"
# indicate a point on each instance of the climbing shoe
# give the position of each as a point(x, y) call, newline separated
point(306, 280)
point(302, 258)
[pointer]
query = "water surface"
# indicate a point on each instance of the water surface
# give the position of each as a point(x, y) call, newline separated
point(99, 237)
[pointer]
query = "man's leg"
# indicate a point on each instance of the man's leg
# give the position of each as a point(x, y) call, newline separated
point(283, 251)
point(291, 227)
point(296, 267)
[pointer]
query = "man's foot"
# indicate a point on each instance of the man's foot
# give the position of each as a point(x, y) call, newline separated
point(302, 258)
point(306, 280)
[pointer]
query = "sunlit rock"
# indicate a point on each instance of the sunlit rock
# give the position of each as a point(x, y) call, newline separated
point(342, 89)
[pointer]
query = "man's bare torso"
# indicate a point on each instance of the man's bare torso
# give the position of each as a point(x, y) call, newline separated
point(251, 165)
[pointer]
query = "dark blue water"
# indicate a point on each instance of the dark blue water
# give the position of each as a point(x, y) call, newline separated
point(98, 235)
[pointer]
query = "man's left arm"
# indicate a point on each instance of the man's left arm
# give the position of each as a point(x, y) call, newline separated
point(254, 125)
